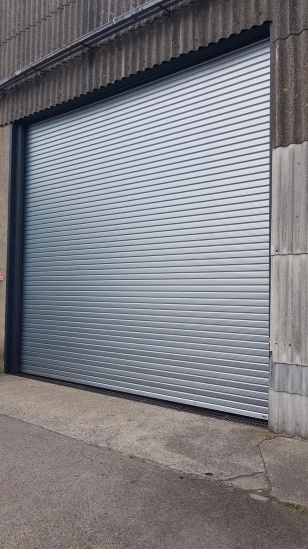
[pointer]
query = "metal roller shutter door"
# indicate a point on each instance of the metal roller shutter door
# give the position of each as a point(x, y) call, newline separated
point(146, 239)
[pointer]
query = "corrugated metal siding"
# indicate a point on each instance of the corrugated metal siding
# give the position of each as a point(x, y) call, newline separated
point(197, 23)
point(290, 90)
point(146, 244)
point(34, 28)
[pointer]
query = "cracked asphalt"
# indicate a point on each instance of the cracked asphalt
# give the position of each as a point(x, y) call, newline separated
point(81, 469)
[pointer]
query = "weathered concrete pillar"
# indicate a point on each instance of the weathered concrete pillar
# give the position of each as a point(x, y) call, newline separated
point(288, 396)
point(4, 178)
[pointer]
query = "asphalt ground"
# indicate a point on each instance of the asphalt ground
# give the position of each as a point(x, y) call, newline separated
point(83, 469)
point(59, 492)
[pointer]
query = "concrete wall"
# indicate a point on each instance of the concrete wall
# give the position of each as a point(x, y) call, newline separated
point(288, 402)
point(288, 395)
point(40, 26)
point(4, 178)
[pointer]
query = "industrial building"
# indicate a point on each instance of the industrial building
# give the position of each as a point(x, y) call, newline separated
point(154, 169)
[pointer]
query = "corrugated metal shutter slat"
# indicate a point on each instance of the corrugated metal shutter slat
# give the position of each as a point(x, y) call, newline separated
point(146, 239)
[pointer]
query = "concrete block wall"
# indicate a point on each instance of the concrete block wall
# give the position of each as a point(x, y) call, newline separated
point(288, 396)
point(288, 393)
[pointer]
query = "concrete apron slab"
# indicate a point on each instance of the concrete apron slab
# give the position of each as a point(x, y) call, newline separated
point(58, 492)
point(234, 454)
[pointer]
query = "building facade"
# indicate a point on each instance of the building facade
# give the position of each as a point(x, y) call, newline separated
point(190, 122)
